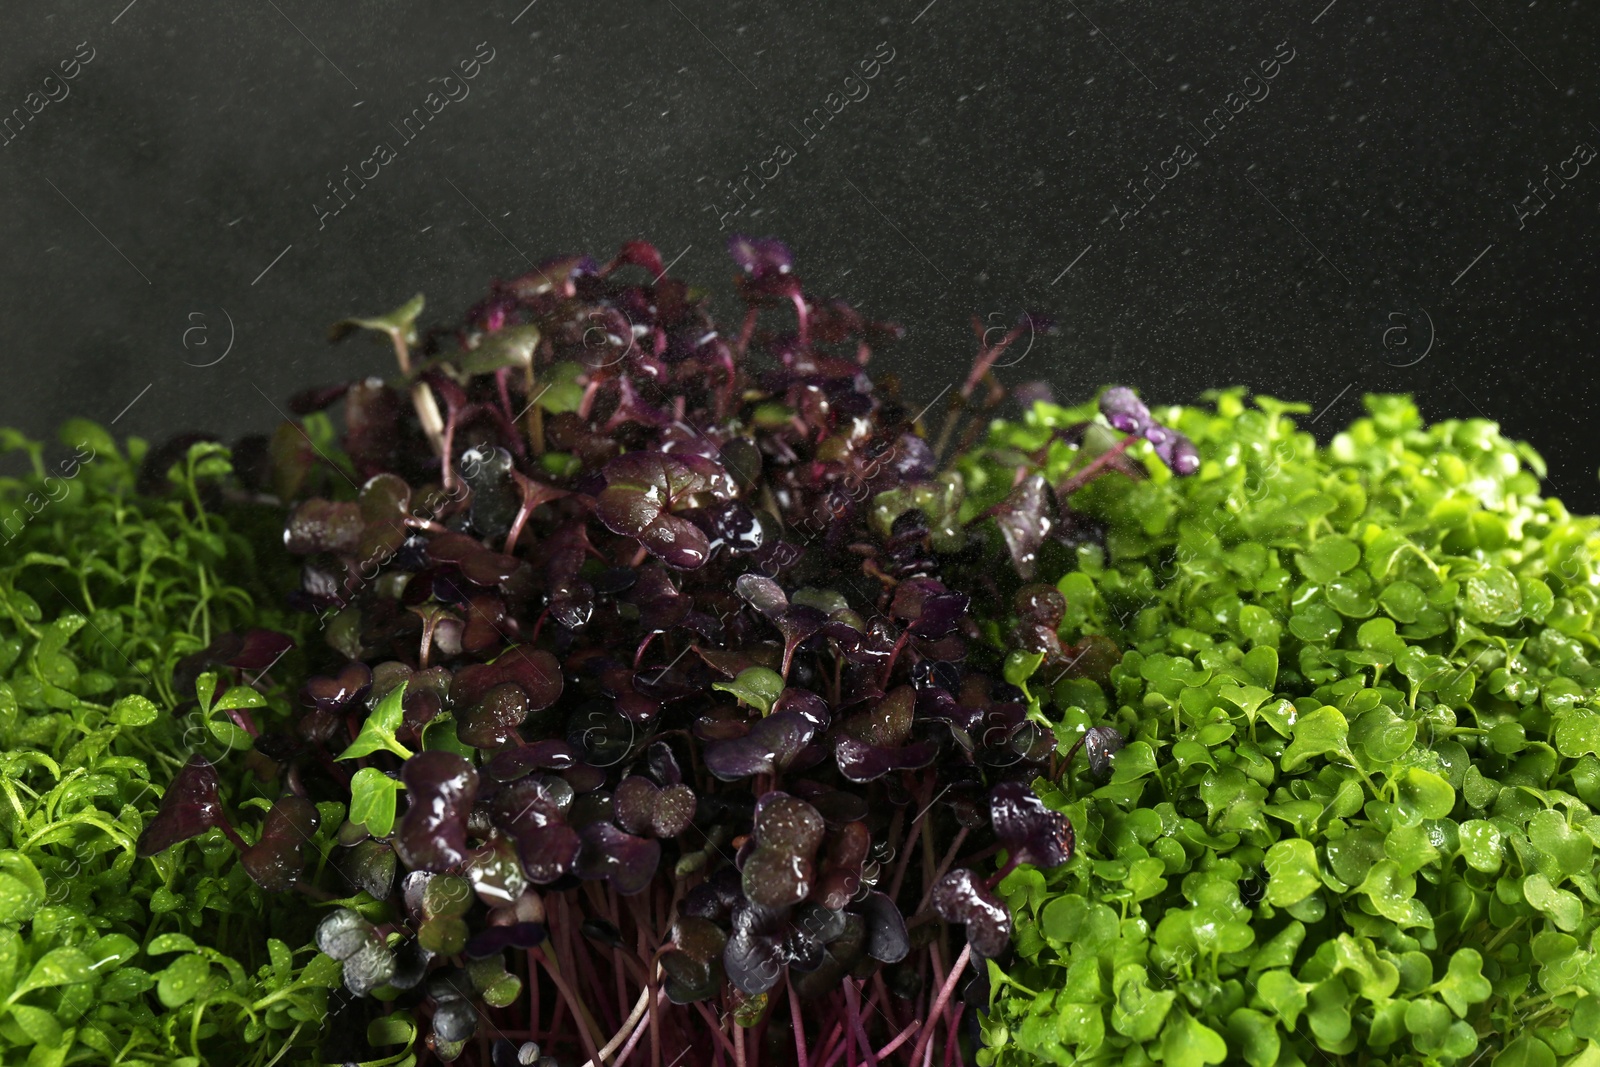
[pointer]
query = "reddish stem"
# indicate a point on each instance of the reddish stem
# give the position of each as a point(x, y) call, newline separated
point(797, 1020)
point(945, 992)
point(953, 1039)
point(571, 1001)
point(894, 653)
point(748, 328)
point(716, 1028)
point(985, 360)
point(852, 1000)
point(1087, 474)
point(899, 1039)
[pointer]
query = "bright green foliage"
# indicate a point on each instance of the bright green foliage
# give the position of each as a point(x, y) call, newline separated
point(106, 958)
point(1355, 821)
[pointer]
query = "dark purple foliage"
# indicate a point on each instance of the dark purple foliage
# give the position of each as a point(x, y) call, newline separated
point(191, 805)
point(961, 897)
point(1031, 832)
point(441, 787)
point(589, 511)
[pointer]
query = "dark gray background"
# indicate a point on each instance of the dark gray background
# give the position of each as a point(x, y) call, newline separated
point(985, 161)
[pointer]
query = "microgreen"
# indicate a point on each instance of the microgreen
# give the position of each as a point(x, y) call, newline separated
point(110, 607)
point(1339, 798)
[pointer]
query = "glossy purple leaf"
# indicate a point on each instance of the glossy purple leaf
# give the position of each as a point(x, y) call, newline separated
point(492, 722)
point(664, 763)
point(1124, 411)
point(627, 862)
point(547, 852)
point(635, 803)
point(772, 743)
point(550, 755)
point(190, 806)
point(863, 762)
point(535, 670)
point(337, 692)
point(674, 812)
point(441, 787)
point(1100, 745)
point(324, 526)
point(275, 860)
point(762, 593)
point(808, 705)
point(842, 864)
point(928, 607)
point(1174, 449)
point(1025, 519)
point(888, 940)
point(961, 897)
point(533, 800)
point(1031, 832)
point(496, 939)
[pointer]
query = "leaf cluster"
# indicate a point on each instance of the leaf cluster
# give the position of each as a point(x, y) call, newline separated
point(1354, 820)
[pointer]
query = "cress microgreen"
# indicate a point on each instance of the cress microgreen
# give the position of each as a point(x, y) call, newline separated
point(1354, 818)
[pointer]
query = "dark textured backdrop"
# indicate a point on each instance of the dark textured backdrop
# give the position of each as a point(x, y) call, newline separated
point(1365, 210)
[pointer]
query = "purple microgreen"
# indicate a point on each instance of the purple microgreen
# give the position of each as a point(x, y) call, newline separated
point(433, 831)
point(771, 745)
point(625, 861)
point(961, 897)
point(1025, 519)
point(191, 805)
point(888, 940)
point(1030, 832)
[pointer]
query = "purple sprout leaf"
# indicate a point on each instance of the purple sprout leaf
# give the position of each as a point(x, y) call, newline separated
point(492, 722)
point(642, 491)
point(634, 803)
point(191, 805)
point(1125, 411)
point(861, 761)
point(496, 939)
point(433, 831)
point(547, 851)
point(763, 594)
point(779, 872)
point(275, 860)
point(627, 862)
point(754, 962)
point(1025, 519)
point(336, 691)
point(961, 897)
point(324, 526)
point(888, 940)
point(772, 744)
point(344, 933)
point(674, 812)
point(1030, 832)
point(1174, 449)
point(663, 763)
point(1100, 745)
point(928, 607)
point(549, 755)
point(842, 864)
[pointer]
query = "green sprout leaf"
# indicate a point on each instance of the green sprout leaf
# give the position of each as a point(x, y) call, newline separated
point(373, 800)
point(757, 686)
point(377, 733)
